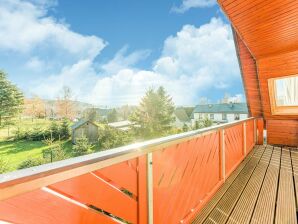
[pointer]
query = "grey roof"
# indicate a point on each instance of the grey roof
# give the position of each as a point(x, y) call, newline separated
point(240, 108)
point(81, 122)
point(181, 114)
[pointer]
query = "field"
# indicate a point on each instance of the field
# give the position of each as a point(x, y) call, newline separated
point(14, 152)
point(7, 132)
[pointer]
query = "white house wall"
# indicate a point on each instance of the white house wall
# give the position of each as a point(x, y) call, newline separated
point(218, 117)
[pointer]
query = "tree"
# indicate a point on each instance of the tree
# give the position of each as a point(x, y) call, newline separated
point(11, 99)
point(185, 128)
point(54, 131)
point(111, 138)
point(206, 122)
point(154, 115)
point(92, 114)
point(65, 105)
point(82, 146)
point(35, 108)
point(64, 129)
point(112, 116)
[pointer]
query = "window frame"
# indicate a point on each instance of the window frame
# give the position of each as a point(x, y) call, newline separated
point(224, 116)
point(211, 116)
point(237, 117)
point(275, 109)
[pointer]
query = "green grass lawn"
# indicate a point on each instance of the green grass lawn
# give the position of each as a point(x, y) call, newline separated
point(17, 151)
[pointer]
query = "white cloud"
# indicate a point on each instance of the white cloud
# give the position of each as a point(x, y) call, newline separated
point(123, 60)
point(188, 4)
point(35, 64)
point(193, 61)
point(25, 26)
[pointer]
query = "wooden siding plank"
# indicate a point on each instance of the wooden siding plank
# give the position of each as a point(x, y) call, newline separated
point(216, 198)
point(256, 20)
point(92, 190)
point(176, 174)
point(244, 208)
point(44, 208)
point(221, 212)
point(234, 151)
point(124, 175)
point(282, 132)
point(286, 204)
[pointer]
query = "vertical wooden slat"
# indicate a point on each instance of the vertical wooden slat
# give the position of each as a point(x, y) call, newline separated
point(260, 131)
point(142, 190)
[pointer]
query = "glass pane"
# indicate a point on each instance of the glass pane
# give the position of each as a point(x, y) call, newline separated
point(287, 91)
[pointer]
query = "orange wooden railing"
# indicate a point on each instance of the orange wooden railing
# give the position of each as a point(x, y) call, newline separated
point(166, 180)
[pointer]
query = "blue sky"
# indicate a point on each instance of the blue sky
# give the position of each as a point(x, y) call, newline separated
point(111, 52)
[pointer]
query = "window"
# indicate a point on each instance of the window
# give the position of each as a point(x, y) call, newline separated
point(200, 116)
point(236, 116)
point(224, 117)
point(212, 116)
point(284, 95)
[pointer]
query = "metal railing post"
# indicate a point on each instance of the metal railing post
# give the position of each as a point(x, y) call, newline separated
point(255, 131)
point(150, 187)
point(244, 139)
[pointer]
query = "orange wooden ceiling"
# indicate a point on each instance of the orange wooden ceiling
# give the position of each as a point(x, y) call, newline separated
point(266, 37)
point(268, 27)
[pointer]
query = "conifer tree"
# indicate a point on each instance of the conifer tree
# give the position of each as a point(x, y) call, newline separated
point(11, 99)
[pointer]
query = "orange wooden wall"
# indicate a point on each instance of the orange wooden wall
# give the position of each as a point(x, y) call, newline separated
point(278, 131)
point(267, 46)
point(249, 77)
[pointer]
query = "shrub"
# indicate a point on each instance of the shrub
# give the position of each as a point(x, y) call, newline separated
point(55, 151)
point(82, 146)
point(55, 131)
point(30, 163)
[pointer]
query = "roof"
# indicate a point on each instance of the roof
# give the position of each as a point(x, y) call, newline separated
point(81, 122)
point(181, 114)
point(222, 108)
point(120, 124)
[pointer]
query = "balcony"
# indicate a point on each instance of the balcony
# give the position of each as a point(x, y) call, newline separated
point(167, 180)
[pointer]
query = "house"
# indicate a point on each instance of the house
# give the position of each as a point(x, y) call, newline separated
point(181, 118)
point(85, 128)
point(220, 113)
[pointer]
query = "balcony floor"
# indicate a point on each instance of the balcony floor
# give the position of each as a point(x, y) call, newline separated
point(263, 189)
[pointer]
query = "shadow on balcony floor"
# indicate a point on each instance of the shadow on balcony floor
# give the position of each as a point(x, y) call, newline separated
point(263, 189)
